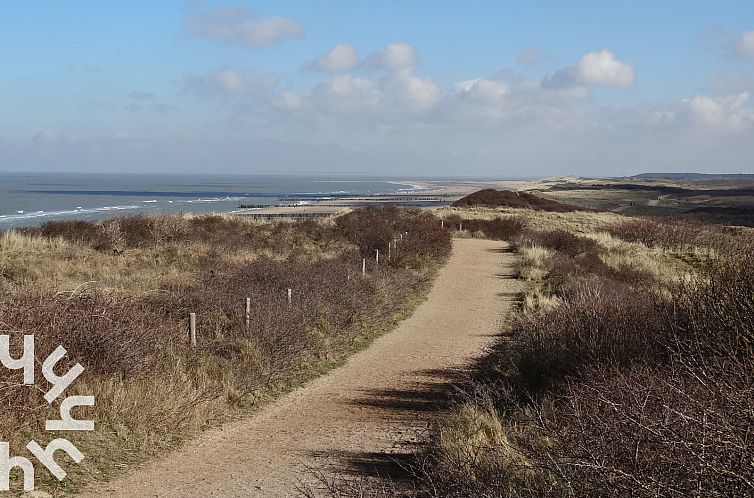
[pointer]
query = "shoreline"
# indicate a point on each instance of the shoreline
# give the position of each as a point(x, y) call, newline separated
point(429, 195)
point(97, 200)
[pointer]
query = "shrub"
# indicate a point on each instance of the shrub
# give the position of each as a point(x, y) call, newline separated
point(497, 229)
point(559, 240)
point(615, 392)
point(374, 227)
point(371, 228)
point(596, 325)
point(78, 231)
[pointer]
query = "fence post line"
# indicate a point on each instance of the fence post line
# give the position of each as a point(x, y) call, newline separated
point(248, 312)
point(192, 329)
point(442, 223)
point(389, 251)
point(377, 256)
point(460, 227)
point(290, 296)
point(363, 267)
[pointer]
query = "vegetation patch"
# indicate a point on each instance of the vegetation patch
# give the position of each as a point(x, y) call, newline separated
point(627, 372)
point(117, 295)
point(506, 198)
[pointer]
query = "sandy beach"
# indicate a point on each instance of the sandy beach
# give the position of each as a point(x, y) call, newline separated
point(426, 195)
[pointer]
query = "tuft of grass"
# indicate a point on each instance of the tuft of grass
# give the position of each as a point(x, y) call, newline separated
point(15, 241)
point(475, 446)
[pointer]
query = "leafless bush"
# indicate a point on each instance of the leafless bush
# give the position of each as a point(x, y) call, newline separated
point(496, 229)
point(559, 240)
point(614, 393)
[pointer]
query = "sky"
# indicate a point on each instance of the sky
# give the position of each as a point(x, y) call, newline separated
point(494, 89)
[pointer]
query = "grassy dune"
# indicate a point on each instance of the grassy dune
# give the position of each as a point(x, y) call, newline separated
point(117, 296)
point(628, 370)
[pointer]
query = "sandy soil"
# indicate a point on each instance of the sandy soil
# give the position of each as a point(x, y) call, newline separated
point(361, 419)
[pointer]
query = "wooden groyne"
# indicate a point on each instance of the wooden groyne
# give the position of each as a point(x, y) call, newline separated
point(285, 216)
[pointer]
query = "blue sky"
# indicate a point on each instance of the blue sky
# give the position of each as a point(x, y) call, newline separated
point(418, 88)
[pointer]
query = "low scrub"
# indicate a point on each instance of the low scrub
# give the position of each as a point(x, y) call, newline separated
point(625, 386)
point(152, 389)
point(492, 198)
point(220, 232)
point(495, 229)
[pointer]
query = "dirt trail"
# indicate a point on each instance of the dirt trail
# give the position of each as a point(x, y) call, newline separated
point(362, 418)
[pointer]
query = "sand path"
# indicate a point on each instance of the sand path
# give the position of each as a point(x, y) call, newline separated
point(360, 419)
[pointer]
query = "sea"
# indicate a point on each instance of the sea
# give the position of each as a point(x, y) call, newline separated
point(30, 199)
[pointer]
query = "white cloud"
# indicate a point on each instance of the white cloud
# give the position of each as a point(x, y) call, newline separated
point(399, 96)
point(479, 99)
point(729, 111)
point(394, 57)
point(481, 89)
point(594, 68)
point(237, 26)
point(410, 92)
point(346, 94)
point(603, 68)
point(339, 58)
point(494, 120)
point(745, 44)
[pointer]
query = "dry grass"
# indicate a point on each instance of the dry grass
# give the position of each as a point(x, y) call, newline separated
point(577, 222)
point(473, 443)
point(117, 296)
point(628, 373)
point(58, 260)
point(536, 262)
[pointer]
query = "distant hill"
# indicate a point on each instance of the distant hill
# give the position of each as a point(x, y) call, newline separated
point(505, 198)
point(696, 176)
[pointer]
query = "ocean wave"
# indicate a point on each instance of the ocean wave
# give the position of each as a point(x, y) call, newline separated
point(50, 214)
point(413, 187)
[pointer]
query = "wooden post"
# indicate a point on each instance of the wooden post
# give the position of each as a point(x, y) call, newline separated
point(290, 296)
point(377, 256)
point(248, 312)
point(460, 227)
point(389, 251)
point(363, 267)
point(442, 223)
point(192, 329)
